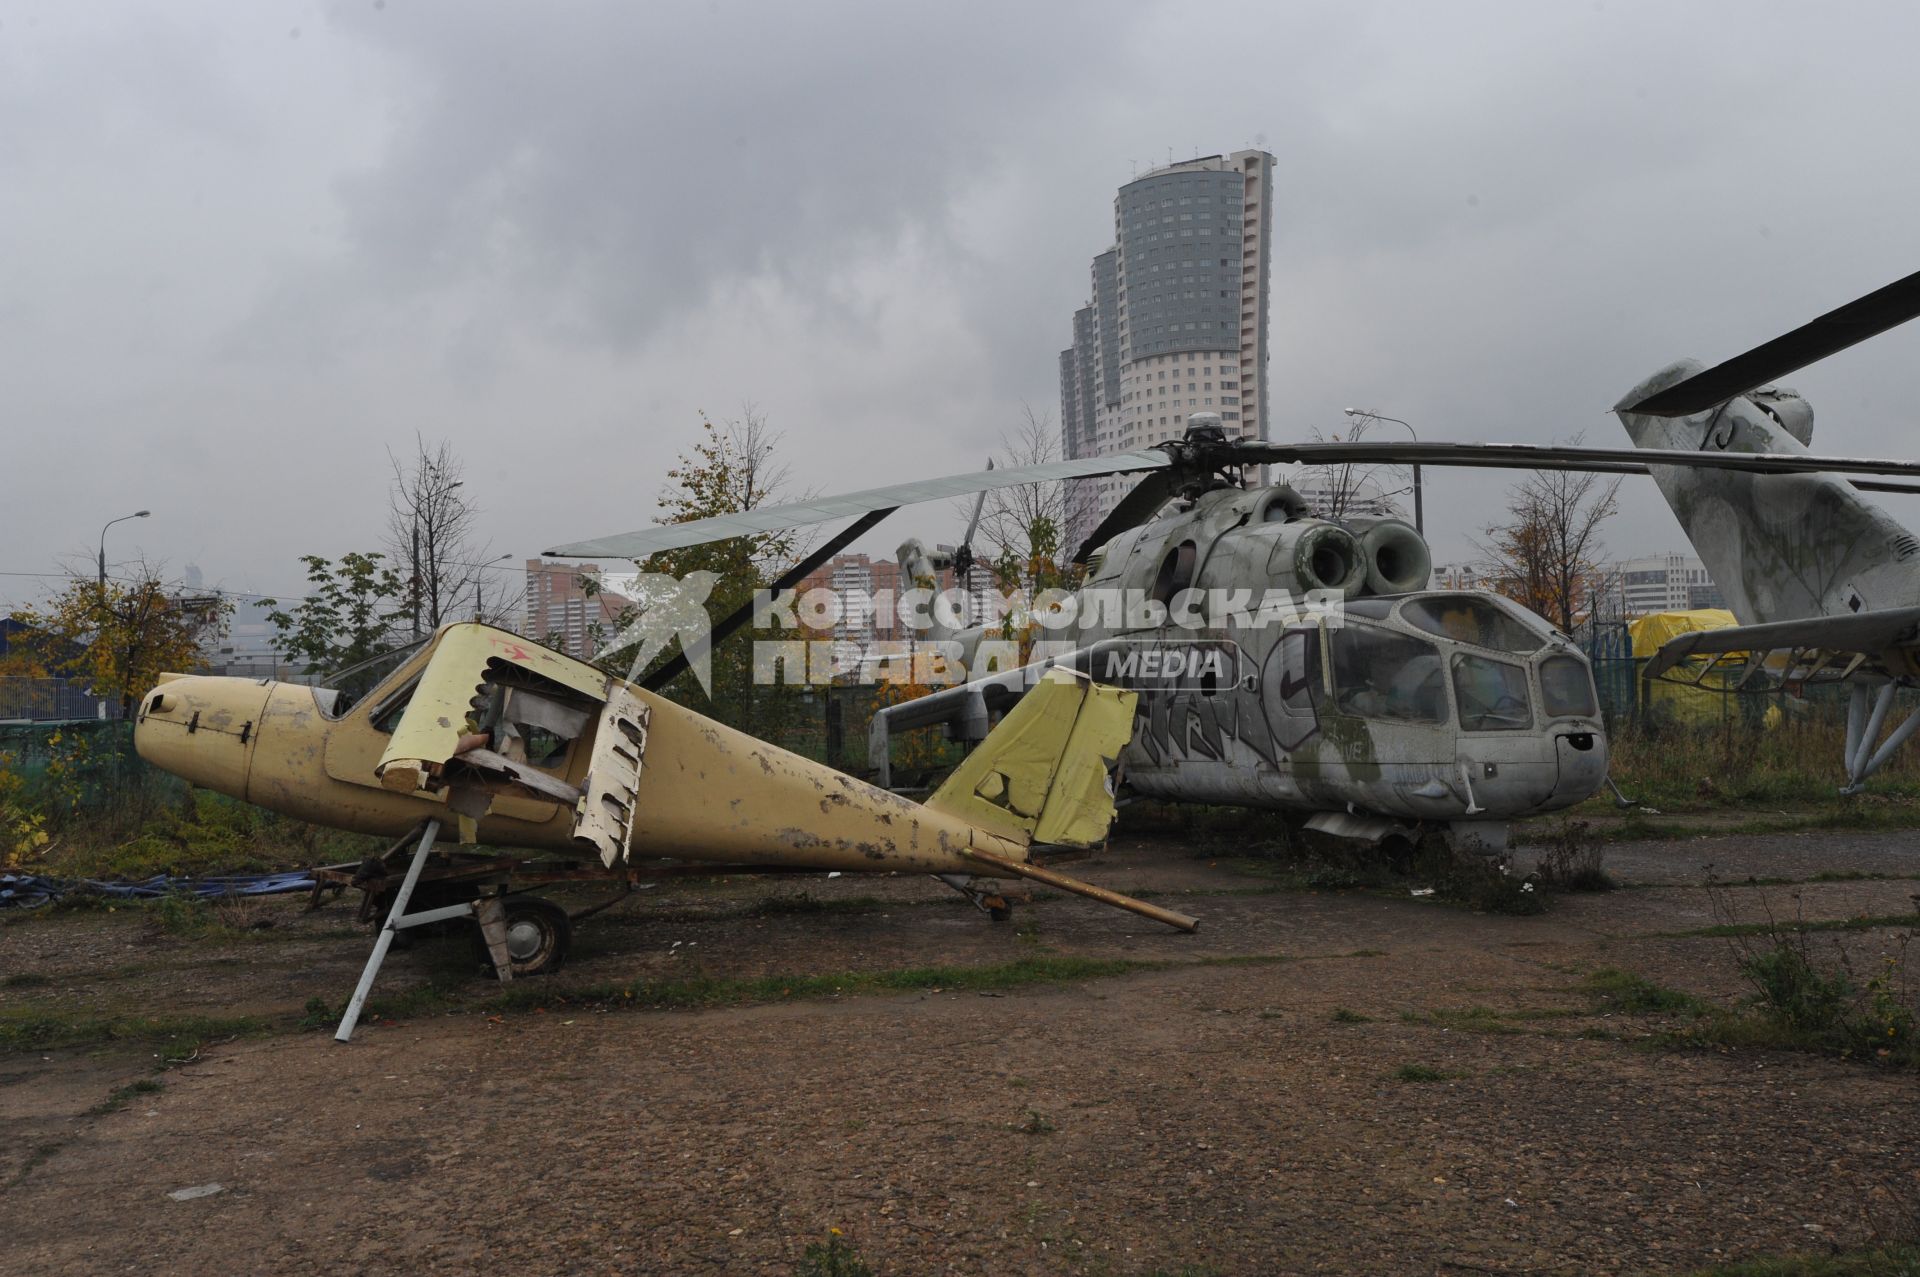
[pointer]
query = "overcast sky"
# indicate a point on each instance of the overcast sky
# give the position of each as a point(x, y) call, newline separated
point(246, 247)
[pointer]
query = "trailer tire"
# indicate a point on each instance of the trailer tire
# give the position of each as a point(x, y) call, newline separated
point(539, 934)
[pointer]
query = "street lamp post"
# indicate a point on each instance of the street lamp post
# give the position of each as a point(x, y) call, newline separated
point(137, 514)
point(479, 607)
point(1363, 419)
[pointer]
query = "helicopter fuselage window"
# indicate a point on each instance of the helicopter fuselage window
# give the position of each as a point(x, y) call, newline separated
point(1492, 695)
point(1381, 674)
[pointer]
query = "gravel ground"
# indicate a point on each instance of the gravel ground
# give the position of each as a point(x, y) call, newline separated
point(1211, 1114)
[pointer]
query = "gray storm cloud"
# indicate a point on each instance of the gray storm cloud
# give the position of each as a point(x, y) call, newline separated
point(251, 246)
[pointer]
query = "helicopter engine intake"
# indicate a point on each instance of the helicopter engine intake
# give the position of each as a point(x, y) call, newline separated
point(1397, 558)
point(1318, 556)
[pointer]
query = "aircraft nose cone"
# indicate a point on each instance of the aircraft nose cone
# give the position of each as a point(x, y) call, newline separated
point(201, 729)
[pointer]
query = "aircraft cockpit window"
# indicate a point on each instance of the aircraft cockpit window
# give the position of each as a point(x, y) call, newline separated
point(1566, 688)
point(1469, 619)
point(1492, 695)
point(1380, 674)
point(385, 714)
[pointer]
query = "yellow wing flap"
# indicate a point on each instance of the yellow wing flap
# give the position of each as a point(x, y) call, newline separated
point(1041, 775)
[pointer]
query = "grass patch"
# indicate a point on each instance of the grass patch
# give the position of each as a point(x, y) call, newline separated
point(834, 1257)
point(1424, 1073)
point(26, 980)
point(1732, 930)
point(1742, 765)
point(1342, 1015)
point(1483, 1019)
point(124, 1096)
point(1630, 994)
point(1036, 1123)
point(39, 1030)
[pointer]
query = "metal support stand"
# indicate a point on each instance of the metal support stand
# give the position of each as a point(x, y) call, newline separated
point(1863, 760)
point(398, 919)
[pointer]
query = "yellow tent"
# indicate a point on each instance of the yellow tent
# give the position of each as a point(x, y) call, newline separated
point(1690, 706)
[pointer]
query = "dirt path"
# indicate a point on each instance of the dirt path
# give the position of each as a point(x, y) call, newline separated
point(1211, 1115)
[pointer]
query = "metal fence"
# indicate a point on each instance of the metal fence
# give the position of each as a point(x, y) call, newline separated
point(1629, 700)
point(34, 700)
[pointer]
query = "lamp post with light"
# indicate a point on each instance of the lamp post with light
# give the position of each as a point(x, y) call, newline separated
point(1361, 420)
point(137, 514)
point(479, 606)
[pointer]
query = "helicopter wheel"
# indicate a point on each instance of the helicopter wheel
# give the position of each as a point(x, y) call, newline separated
point(539, 934)
point(999, 908)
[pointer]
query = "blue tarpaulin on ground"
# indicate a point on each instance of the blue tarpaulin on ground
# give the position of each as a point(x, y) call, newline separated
point(24, 891)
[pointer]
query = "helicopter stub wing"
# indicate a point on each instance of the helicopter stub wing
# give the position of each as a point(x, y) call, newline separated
point(1889, 637)
point(779, 518)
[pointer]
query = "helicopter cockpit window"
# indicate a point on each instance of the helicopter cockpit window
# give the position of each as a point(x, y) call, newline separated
point(1380, 674)
point(1470, 619)
point(1492, 695)
point(1566, 688)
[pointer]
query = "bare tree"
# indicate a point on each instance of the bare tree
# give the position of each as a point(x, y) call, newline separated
point(1025, 524)
point(1347, 489)
point(431, 536)
point(1544, 555)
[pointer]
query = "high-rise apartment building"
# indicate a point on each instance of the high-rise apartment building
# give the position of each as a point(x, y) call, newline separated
point(1177, 323)
point(567, 609)
point(1669, 582)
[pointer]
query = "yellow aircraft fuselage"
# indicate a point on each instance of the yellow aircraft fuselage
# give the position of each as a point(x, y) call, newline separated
point(704, 791)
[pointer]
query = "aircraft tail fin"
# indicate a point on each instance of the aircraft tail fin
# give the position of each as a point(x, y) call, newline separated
point(1780, 547)
point(1042, 775)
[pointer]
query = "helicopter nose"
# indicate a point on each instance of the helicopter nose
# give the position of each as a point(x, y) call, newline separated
point(202, 729)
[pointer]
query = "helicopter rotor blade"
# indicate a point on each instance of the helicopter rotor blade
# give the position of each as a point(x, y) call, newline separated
point(1830, 334)
point(779, 518)
point(1132, 510)
point(1514, 456)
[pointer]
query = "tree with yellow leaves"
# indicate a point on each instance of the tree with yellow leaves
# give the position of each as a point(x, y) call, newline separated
point(118, 636)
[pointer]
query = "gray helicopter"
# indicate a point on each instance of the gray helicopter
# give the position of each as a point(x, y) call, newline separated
point(1375, 709)
point(1295, 663)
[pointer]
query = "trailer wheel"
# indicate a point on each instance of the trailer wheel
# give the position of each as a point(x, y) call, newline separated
point(539, 933)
